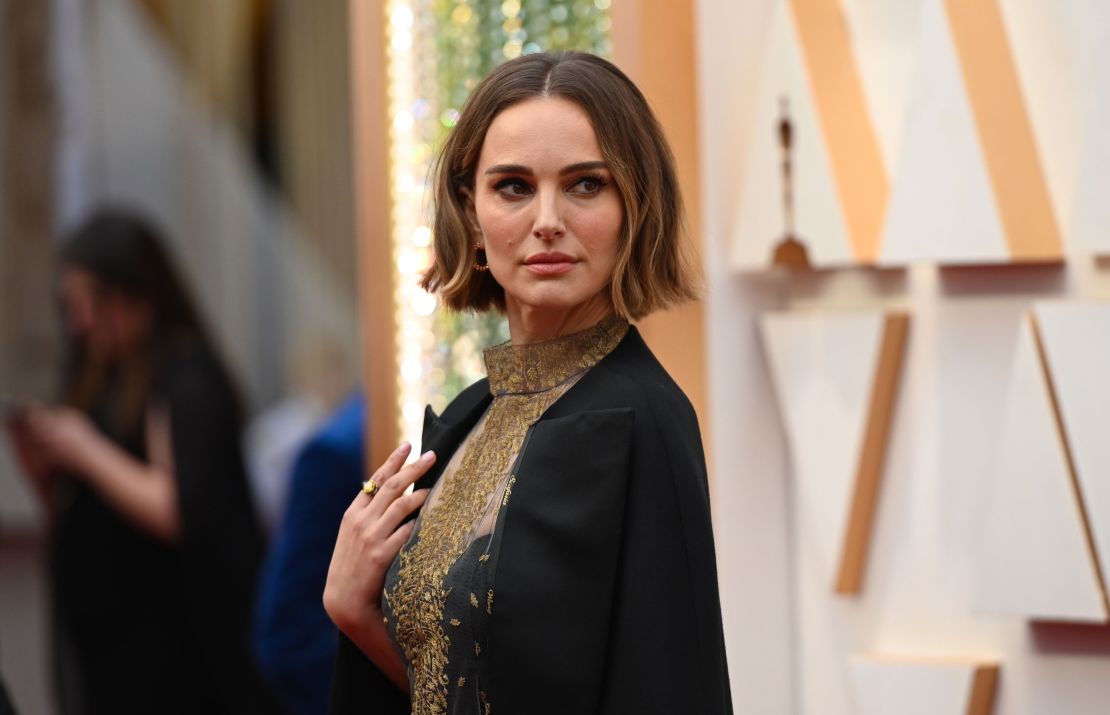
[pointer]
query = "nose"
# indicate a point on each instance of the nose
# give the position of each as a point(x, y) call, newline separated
point(548, 223)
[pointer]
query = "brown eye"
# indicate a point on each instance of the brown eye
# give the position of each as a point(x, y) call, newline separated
point(512, 188)
point(588, 185)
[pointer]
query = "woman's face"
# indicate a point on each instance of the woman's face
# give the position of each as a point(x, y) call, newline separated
point(547, 212)
point(110, 324)
point(80, 302)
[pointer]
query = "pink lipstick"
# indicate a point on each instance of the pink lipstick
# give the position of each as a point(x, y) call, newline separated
point(549, 264)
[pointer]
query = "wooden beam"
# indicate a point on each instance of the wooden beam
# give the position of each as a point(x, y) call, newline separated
point(28, 336)
point(375, 255)
point(857, 164)
point(655, 43)
point(869, 472)
point(1005, 130)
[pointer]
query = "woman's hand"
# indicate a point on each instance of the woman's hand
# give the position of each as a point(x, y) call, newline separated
point(146, 494)
point(64, 436)
point(370, 536)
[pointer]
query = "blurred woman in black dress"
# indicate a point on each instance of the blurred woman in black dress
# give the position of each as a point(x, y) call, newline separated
point(154, 543)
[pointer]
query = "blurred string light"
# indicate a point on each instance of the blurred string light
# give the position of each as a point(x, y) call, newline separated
point(438, 50)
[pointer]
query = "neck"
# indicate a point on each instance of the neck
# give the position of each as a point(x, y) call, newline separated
point(529, 324)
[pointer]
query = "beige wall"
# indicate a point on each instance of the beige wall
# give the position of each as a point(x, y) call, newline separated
point(749, 463)
point(790, 638)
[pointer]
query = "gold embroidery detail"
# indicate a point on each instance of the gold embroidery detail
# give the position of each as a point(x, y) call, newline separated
point(483, 558)
point(456, 622)
point(536, 367)
point(524, 380)
point(462, 681)
point(489, 602)
point(508, 490)
point(477, 648)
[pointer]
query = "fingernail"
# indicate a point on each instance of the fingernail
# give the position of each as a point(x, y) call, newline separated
point(403, 446)
point(427, 456)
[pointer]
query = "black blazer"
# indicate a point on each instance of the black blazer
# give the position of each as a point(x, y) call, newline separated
point(607, 597)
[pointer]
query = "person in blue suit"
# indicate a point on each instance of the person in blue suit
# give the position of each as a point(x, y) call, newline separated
point(294, 640)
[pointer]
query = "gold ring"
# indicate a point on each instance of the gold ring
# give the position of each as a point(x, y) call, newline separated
point(370, 487)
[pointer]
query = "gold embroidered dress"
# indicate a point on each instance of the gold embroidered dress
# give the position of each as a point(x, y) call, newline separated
point(439, 597)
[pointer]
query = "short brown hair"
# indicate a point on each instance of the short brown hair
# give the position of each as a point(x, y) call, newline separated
point(653, 268)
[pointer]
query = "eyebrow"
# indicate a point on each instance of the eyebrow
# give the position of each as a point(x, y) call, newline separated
point(526, 171)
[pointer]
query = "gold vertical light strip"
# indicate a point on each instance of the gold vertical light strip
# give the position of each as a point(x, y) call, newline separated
point(1005, 131)
point(846, 126)
point(865, 494)
point(375, 254)
point(1065, 446)
point(411, 237)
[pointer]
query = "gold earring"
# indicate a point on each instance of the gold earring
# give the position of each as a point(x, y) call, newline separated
point(480, 263)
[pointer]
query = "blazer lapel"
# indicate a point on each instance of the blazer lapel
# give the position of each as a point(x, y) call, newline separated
point(443, 437)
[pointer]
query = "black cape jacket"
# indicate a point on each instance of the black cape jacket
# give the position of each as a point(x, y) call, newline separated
point(607, 597)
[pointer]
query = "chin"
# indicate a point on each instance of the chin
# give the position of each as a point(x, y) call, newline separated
point(553, 291)
point(555, 298)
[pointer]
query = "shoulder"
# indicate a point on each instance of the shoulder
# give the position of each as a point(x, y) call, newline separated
point(193, 382)
point(666, 440)
point(343, 432)
point(188, 362)
point(631, 376)
point(466, 401)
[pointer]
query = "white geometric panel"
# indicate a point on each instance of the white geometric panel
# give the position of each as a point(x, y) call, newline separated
point(1076, 338)
point(1091, 211)
point(884, 39)
point(1049, 44)
point(1034, 559)
point(823, 367)
point(901, 686)
point(942, 206)
point(819, 221)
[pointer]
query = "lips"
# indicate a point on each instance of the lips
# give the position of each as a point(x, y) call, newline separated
point(549, 264)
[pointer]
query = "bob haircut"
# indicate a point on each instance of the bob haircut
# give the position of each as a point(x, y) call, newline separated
point(653, 268)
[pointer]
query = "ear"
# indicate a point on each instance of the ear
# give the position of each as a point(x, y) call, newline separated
point(467, 196)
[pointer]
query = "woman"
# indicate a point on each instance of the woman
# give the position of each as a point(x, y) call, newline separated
point(154, 543)
point(562, 561)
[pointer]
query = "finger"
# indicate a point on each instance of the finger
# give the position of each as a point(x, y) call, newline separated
point(383, 474)
point(358, 503)
point(392, 464)
point(401, 508)
point(399, 483)
point(397, 539)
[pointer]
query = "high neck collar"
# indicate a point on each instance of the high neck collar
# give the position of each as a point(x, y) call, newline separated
point(537, 367)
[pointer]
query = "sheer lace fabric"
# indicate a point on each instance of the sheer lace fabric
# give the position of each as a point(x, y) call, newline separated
point(438, 594)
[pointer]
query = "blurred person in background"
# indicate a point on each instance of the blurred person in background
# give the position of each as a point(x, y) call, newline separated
point(320, 380)
point(294, 639)
point(6, 707)
point(155, 546)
